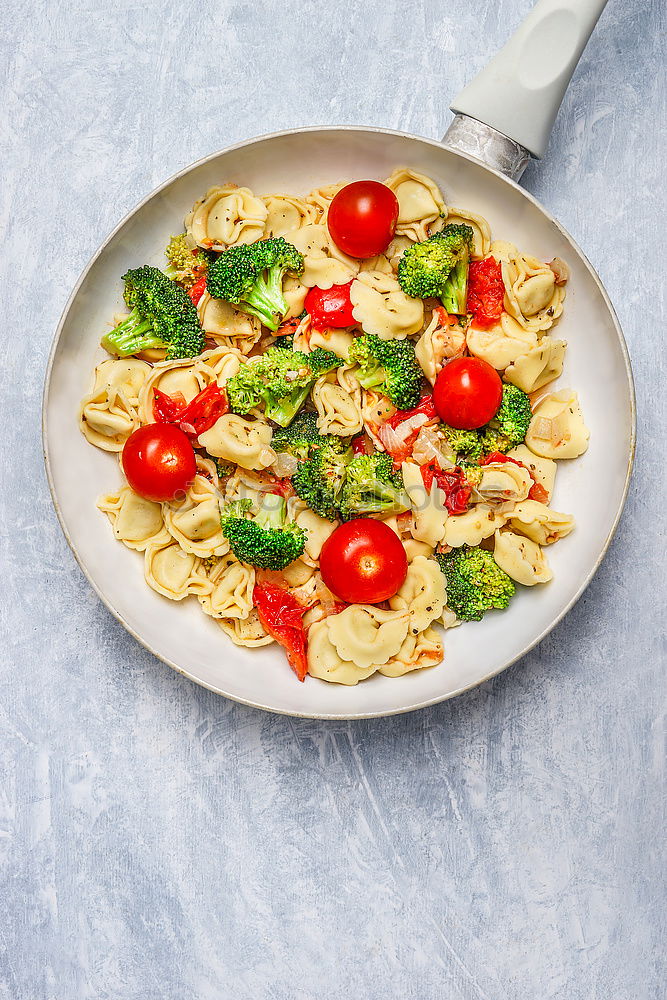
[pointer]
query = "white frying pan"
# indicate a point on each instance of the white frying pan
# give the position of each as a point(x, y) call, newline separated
point(503, 117)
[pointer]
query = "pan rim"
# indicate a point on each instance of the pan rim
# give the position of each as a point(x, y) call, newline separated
point(338, 716)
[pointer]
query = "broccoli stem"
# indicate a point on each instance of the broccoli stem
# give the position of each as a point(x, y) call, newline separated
point(273, 512)
point(132, 335)
point(455, 292)
point(266, 299)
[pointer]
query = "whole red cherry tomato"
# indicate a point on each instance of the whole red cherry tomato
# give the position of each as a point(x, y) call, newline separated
point(330, 308)
point(363, 561)
point(362, 218)
point(467, 393)
point(159, 461)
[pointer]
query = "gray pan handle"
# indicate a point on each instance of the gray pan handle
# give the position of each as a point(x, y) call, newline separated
point(505, 115)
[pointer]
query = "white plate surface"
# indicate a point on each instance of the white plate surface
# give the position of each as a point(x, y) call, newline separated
point(592, 488)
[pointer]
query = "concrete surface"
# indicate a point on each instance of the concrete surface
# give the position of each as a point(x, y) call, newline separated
point(159, 842)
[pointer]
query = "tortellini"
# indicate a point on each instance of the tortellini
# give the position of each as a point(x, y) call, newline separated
point(543, 470)
point(325, 662)
point(338, 411)
point(538, 522)
point(194, 522)
point(245, 442)
point(228, 326)
point(501, 344)
point(437, 343)
point(226, 216)
point(422, 593)
point(320, 199)
point(420, 203)
point(503, 481)
point(532, 296)
point(174, 573)
point(521, 558)
point(542, 364)
point(232, 585)
point(219, 365)
point(366, 635)
point(470, 528)
point(108, 414)
point(420, 650)
point(429, 512)
point(317, 531)
point(136, 522)
point(287, 213)
point(557, 428)
point(382, 308)
point(338, 342)
point(324, 264)
point(246, 631)
point(350, 646)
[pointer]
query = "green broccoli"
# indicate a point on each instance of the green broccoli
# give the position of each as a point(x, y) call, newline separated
point(465, 444)
point(267, 540)
point(491, 439)
point(300, 438)
point(514, 415)
point(162, 316)
point(390, 366)
point(279, 380)
point(319, 480)
point(475, 582)
point(250, 276)
point(439, 267)
point(372, 487)
point(185, 264)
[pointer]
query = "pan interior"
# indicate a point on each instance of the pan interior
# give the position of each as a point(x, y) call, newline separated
point(592, 488)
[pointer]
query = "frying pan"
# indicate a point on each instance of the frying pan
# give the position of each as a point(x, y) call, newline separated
point(502, 119)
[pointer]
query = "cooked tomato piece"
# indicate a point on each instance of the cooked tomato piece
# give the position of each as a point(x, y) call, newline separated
point(281, 615)
point(486, 291)
point(330, 308)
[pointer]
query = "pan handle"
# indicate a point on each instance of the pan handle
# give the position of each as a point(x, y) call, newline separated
point(505, 114)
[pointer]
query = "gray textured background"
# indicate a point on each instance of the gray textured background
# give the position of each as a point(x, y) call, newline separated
point(159, 842)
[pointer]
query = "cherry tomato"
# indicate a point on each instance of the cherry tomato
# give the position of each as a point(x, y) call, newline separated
point(363, 561)
point(330, 308)
point(362, 218)
point(467, 393)
point(159, 461)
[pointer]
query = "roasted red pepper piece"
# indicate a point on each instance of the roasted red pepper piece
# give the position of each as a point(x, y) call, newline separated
point(486, 291)
point(425, 405)
point(197, 290)
point(281, 615)
point(198, 415)
point(452, 482)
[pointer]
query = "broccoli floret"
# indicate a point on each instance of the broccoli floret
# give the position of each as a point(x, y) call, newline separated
point(465, 444)
point(300, 438)
point(279, 380)
point(475, 582)
point(439, 267)
point(162, 316)
point(389, 366)
point(372, 487)
point(250, 276)
point(514, 415)
point(185, 264)
point(319, 480)
point(267, 540)
point(491, 439)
